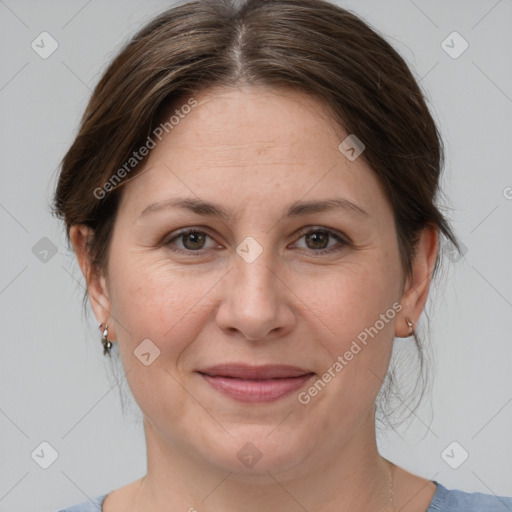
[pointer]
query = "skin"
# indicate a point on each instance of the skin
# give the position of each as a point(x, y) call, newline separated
point(254, 151)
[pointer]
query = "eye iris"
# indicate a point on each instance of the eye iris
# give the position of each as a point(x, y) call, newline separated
point(195, 240)
point(195, 237)
point(318, 236)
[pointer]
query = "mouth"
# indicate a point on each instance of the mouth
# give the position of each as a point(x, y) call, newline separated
point(247, 383)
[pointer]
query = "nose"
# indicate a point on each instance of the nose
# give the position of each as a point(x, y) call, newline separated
point(256, 301)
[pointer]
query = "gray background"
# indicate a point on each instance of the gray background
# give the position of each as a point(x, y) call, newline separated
point(56, 386)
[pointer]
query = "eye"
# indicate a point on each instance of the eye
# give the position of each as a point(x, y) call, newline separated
point(317, 239)
point(192, 240)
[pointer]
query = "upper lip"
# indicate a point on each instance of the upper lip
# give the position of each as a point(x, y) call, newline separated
point(246, 371)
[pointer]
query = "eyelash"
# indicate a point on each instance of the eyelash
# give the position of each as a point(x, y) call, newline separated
point(344, 242)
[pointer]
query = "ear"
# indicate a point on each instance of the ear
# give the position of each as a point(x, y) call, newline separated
point(417, 284)
point(81, 236)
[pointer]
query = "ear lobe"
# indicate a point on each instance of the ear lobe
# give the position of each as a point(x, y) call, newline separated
point(81, 236)
point(418, 284)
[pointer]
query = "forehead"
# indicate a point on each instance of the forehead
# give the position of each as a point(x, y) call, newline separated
point(267, 144)
point(255, 121)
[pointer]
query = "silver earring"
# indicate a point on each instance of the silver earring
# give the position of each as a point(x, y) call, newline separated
point(411, 326)
point(107, 345)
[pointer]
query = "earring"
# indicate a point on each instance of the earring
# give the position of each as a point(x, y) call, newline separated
point(107, 345)
point(410, 325)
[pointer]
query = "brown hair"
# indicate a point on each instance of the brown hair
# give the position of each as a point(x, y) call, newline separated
point(310, 45)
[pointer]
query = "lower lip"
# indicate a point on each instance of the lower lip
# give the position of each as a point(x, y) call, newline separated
point(256, 390)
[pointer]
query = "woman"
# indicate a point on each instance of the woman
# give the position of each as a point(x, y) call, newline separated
point(251, 199)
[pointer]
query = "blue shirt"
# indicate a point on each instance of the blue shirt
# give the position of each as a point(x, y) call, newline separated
point(444, 500)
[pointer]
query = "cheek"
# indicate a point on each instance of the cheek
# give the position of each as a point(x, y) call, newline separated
point(359, 307)
point(152, 300)
point(155, 299)
point(355, 298)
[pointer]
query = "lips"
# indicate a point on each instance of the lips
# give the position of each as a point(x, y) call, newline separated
point(248, 372)
point(246, 383)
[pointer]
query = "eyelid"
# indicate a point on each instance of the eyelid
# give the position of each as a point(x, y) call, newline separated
point(342, 238)
point(184, 231)
point(331, 231)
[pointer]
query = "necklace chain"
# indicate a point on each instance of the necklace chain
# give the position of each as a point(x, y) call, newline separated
point(391, 504)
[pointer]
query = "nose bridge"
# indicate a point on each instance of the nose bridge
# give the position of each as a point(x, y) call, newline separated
point(255, 258)
point(254, 275)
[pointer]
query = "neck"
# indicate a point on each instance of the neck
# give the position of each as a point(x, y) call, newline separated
point(348, 477)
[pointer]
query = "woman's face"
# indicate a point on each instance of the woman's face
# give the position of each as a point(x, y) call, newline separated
point(274, 282)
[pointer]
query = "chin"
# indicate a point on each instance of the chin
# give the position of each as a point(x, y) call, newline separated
point(251, 455)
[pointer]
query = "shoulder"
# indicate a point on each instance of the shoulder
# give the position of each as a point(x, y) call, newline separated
point(94, 505)
point(454, 500)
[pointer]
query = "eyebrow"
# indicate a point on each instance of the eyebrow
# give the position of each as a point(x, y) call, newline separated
point(295, 209)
